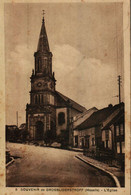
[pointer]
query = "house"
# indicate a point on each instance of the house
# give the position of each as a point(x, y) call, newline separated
point(12, 132)
point(11, 127)
point(113, 131)
point(90, 134)
point(77, 120)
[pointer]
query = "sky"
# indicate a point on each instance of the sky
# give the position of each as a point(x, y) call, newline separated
point(86, 40)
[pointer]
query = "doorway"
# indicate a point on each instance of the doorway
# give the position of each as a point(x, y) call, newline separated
point(39, 130)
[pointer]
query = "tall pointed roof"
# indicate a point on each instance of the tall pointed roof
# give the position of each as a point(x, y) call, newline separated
point(43, 44)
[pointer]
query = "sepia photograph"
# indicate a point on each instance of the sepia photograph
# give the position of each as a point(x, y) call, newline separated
point(64, 95)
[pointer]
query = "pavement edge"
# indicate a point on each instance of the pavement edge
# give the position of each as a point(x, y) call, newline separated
point(100, 168)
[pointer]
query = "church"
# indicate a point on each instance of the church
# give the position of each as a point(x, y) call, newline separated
point(48, 110)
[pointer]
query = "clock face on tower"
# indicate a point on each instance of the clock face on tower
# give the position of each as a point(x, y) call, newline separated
point(39, 84)
point(45, 85)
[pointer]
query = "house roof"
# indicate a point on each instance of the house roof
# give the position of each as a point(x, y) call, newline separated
point(70, 102)
point(98, 117)
point(81, 117)
point(116, 117)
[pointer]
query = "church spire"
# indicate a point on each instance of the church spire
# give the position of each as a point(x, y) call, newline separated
point(43, 45)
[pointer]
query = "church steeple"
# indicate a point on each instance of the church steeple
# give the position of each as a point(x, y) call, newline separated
point(43, 56)
point(40, 113)
point(43, 45)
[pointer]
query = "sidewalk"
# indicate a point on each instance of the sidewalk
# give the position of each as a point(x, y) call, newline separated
point(76, 149)
point(114, 172)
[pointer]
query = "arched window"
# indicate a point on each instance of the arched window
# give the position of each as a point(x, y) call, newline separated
point(39, 99)
point(36, 99)
point(45, 62)
point(52, 99)
point(42, 99)
point(38, 64)
point(61, 118)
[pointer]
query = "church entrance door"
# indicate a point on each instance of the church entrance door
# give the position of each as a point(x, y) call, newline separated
point(39, 130)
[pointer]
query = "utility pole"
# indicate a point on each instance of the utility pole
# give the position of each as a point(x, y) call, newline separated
point(119, 86)
point(17, 118)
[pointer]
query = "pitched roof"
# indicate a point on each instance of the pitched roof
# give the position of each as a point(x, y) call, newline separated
point(43, 44)
point(81, 117)
point(98, 117)
point(70, 102)
point(115, 117)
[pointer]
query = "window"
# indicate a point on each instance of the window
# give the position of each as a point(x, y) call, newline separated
point(82, 143)
point(39, 99)
point(45, 99)
point(107, 134)
point(123, 147)
point(42, 99)
point(106, 143)
point(45, 62)
point(117, 130)
point(51, 99)
point(87, 142)
point(76, 140)
point(45, 65)
point(93, 141)
point(61, 118)
point(36, 99)
point(121, 129)
point(118, 147)
point(92, 131)
point(38, 64)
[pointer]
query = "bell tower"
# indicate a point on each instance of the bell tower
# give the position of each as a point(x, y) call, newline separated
point(41, 109)
point(43, 56)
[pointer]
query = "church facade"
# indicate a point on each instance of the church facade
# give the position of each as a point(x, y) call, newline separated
point(48, 110)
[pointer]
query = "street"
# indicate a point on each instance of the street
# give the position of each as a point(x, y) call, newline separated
point(36, 166)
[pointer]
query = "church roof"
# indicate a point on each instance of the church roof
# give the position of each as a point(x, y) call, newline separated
point(72, 103)
point(43, 44)
point(98, 117)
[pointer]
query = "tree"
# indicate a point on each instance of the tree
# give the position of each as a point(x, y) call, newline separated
point(23, 135)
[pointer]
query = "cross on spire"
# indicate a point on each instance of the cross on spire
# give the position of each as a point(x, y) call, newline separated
point(43, 14)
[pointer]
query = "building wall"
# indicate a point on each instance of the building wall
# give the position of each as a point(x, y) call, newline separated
point(73, 112)
point(86, 138)
point(107, 138)
point(69, 113)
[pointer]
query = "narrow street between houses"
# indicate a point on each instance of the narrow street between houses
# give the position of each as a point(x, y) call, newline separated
point(50, 167)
